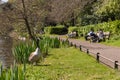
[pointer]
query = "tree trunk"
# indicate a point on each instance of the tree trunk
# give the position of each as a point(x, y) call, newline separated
point(73, 19)
point(25, 17)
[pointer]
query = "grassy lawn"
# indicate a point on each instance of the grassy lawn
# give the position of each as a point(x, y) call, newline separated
point(112, 43)
point(107, 42)
point(70, 64)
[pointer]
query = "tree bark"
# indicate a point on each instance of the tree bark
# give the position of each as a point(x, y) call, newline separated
point(27, 22)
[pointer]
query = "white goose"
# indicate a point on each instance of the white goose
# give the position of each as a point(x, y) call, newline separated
point(35, 56)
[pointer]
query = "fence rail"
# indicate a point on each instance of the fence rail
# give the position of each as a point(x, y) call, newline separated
point(98, 56)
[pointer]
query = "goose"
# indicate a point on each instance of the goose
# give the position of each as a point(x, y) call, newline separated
point(22, 38)
point(35, 56)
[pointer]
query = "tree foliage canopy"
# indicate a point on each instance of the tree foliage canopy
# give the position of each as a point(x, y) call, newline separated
point(100, 11)
point(109, 8)
point(34, 14)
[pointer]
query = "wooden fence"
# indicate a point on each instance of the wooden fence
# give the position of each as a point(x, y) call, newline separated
point(99, 58)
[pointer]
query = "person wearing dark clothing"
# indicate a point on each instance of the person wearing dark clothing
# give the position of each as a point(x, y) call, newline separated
point(92, 36)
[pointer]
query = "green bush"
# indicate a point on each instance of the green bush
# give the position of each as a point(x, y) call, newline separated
point(72, 28)
point(47, 30)
point(60, 30)
point(113, 27)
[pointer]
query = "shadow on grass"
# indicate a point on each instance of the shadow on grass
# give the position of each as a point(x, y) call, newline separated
point(43, 65)
point(45, 56)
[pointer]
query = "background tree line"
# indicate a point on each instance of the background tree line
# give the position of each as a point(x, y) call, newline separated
point(33, 15)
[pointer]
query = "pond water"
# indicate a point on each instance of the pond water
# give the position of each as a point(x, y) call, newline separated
point(6, 57)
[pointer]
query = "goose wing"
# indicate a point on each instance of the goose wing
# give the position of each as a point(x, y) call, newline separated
point(33, 57)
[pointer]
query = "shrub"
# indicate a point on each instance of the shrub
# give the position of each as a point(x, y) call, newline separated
point(113, 27)
point(60, 30)
point(70, 29)
point(47, 30)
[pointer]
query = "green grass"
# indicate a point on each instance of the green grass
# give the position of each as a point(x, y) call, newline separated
point(70, 64)
point(12, 73)
point(112, 43)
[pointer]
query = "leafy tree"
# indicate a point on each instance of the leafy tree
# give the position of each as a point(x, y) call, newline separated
point(28, 15)
point(66, 11)
point(108, 9)
point(100, 11)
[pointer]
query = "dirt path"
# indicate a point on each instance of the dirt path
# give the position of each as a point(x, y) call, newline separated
point(108, 55)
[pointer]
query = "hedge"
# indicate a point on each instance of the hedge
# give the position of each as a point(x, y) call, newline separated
point(60, 30)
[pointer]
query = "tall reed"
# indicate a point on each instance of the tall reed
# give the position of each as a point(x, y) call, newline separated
point(23, 49)
point(21, 53)
point(12, 73)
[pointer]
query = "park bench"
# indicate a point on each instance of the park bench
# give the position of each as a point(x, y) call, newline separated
point(92, 39)
point(97, 39)
point(107, 35)
point(73, 35)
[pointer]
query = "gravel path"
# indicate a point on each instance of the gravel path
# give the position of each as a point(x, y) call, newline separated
point(108, 55)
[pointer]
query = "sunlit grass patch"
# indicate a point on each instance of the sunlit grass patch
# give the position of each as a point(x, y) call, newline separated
point(70, 64)
point(112, 43)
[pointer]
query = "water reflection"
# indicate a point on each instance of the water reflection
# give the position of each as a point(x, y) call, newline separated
point(6, 56)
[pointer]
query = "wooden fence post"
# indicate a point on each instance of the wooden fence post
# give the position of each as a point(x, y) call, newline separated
point(80, 48)
point(87, 51)
point(71, 44)
point(97, 57)
point(115, 65)
point(59, 39)
point(63, 41)
point(75, 45)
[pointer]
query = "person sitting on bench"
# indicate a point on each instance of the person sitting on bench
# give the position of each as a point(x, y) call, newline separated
point(91, 35)
point(101, 35)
